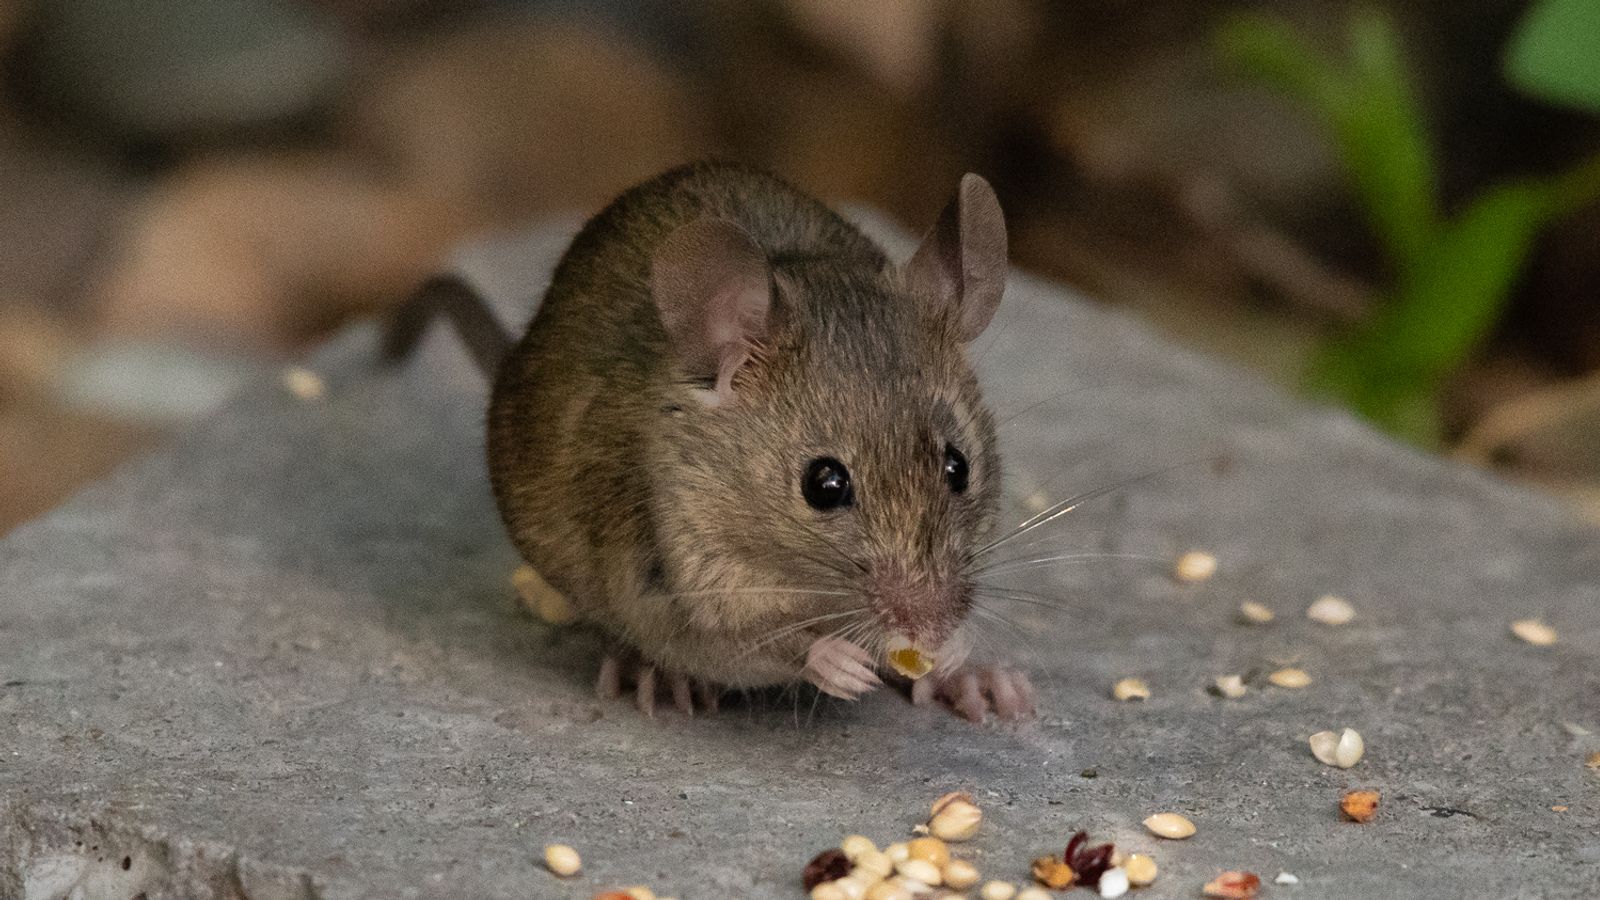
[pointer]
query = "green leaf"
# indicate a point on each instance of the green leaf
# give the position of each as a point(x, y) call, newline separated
point(1555, 54)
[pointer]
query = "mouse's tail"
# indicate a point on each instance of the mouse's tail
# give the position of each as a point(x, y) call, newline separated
point(451, 297)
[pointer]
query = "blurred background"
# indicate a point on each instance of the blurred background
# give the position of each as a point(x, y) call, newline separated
point(1389, 207)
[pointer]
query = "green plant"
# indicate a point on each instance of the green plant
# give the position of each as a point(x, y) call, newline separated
point(1450, 274)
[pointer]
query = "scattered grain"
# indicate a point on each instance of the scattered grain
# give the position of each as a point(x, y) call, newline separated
point(1331, 610)
point(875, 863)
point(1534, 632)
point(1255, 613)
point(1170, 826)
point(955, 818)
point(1114, 883)
point(1032, 893)
point(889, 890)
point(931, 849)
point(919, 870)
point(1130, 689)
point(1343, 750)
point(1194, 566)
point(829, 890)
point(639, 892)
point(1141, 869)
point(1593, 761)
point(998, 890)
point(1293, 679)
point(960, 874)
point(1233, 885)
point(1360, 806)
point(1053, 873)
point(898, 852)
point(855, 845)
point(1286, 878)
point(1230, 686)
point(562, 860)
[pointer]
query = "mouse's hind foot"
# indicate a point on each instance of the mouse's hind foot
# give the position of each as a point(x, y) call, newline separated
point(974, 692)
point(620, 672)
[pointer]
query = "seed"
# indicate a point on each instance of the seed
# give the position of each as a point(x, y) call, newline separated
point(612, 895)
point(874, 864)
point(1534, 632)
point(1290, 678)
point(1343, 750)
point(1194, 566)
point(853, 888)
point(1053, 873)
point(1032, 893)
point(960, 874)
point(898, 852)
point(1254, 613)
point(998, 890)
point(855, 845)
point(640, 892)
point(1593, 761)
point(549, 604)
point(889, 890)
point(304, 383)
point(1170, 826)
point(919, 870)
point(957, 820)
point(1130, 689)
point(1141, 869)
point(829, 890)
point(908, 659)
point(1360, 806)
point(562, 860)
point(1230, 686)
point(1234, 885)
point(931, 849)
point(1331, 610)
point(1114, 883)
point(1286, 878)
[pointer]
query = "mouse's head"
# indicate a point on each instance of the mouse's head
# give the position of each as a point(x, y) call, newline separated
point(830, 465)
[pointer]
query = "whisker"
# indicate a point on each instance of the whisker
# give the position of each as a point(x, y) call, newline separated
point(1018, 565)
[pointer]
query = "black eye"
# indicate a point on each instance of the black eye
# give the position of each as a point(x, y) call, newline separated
point(826, 484)
point(955, 469)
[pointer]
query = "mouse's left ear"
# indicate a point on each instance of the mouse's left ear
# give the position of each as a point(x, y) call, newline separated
point(713, 288)
point(962, 261)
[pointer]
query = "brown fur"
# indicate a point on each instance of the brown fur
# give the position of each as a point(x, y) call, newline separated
point(660, 516)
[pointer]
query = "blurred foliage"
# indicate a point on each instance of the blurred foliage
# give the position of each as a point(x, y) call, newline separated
point(1451, 275)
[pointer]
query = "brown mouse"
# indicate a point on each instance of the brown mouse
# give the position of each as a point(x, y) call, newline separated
point(748, 447)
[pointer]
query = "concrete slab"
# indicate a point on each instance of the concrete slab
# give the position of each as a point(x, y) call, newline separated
point(281, 659)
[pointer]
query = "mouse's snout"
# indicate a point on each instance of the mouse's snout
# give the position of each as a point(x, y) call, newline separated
point(922, 608)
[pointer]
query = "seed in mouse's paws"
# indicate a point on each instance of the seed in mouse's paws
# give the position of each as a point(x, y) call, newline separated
point(908, 659)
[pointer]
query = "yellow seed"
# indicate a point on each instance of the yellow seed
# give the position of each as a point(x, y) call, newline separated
point(829, 890)
point(1141, 869)
point(1290, 678)
point(1331, 610)
point(956, 821)
point(1255, 613)
point(889, 890)
point(908, 659)
point(1534, 632)
point(852, 888)
point(919, 870)
point(1194, 566)
point(1169, 825)
point(1053, 873)
point(931, 849)
point(1033, 893)
point(855, 845)
point(562, 860)
point(998, 890)
point(960, 874)
point(1130, 689)
point(1593, 761)
point(1230, 686)
point(898, 852)
point(874, 863)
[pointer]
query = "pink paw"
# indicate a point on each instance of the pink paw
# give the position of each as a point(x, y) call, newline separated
point(973, 692)
point(619, 672)
point(840, 669)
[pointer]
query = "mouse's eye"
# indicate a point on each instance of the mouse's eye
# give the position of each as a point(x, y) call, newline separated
point(826, 484)
point(955, 469)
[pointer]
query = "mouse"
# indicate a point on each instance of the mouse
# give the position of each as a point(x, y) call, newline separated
point(747, 447)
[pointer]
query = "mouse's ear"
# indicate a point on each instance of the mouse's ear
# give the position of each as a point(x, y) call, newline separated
point(962, 260)
point(713, 287)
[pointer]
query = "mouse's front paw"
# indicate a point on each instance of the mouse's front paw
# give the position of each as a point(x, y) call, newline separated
point(619, 671)
point(840, 669)
point(973, 692)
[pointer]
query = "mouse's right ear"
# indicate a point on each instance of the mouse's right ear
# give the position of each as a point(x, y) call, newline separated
point(961, 263)
point(713, 288)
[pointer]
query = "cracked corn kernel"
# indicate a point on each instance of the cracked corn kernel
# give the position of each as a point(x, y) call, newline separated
point(960, 874)
point(1359, 806)
point(1331, 610)
point(1194, 566)
point(1130, 689)
point(1053, 873)
point(931, 849)
point(1233, 885)
point(1534, 632)
point(908, 659)
point(1170, 826)
point(1255, 613)
point(562, 860)
point(1343, 750)
point(1141, 869)
point(1290, 678)
point(998, 890)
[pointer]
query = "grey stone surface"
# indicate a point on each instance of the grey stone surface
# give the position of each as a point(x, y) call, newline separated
point(281, 659)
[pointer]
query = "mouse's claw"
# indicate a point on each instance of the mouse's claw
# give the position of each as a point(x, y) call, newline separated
point(840, 669)
point(618, 672)
point(973, 692)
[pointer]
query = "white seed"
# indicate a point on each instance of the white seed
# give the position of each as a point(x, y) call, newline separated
point(829, 890)
point(852, 888)
point(998, 890)
point(960, 874)
point(917, 888)
point(875, 863)
point(304, 383)
point(1343, 750)
point(919, 870)
point(1285, 878)
point(889, 890)
point(1576, 730)
point(1033, 893)
point(855, 845)
point(1534, 632)
point(1230, 686)
point(898, 852)
point(956, 821)
point(1170, 826)
point(562, 860)
point(1255, 613)
point(1114, 883)
point(1141, 869)
point(1331, 610)
point(1130, 689)
point(1290, 678)
point(1194, 566)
